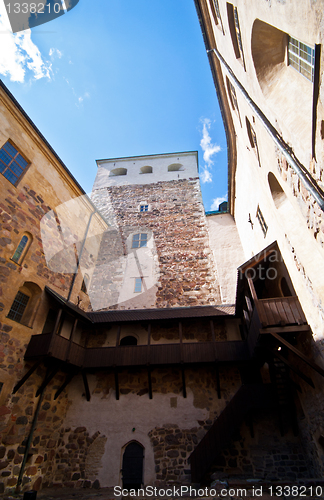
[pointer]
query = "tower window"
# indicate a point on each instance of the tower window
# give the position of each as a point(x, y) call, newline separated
point(301, 57)
point(216, 13)
point(12, 164)
point(18, 307)
point(262, 222)
point(139, 240)
point(253, 139)
point(138, 285)
point(235, 30)
point(143, 208)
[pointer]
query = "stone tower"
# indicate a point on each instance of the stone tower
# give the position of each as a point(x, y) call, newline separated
point(156, 252)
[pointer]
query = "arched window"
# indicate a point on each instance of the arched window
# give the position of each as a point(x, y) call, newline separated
point(85, 283)
point(129, 340)
point(117, 171)
point(146, 170)
point(132, 468)
point(278, 195)
point(24, 306)
point(175, 167)
point(22, 248)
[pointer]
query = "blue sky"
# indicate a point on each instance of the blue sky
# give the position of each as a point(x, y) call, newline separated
point(116, 78)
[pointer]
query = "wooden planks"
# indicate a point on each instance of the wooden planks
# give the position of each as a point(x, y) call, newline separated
point(280, 311)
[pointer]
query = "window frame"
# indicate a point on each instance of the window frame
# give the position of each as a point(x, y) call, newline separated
point(145, 206)
point(138, 283)
point(295, 60)
point(7, 167)
point(139, 240)
point(18, 305)
point(24, 250)
point(214, 5)
point(262, 222)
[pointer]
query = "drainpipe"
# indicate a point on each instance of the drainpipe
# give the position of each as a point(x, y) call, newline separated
point(303, 174)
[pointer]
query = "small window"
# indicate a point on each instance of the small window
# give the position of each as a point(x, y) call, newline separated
point(21, 249)
point(85, 283)
point(12, 163)
point(146, 170)
point(301, 57)
point(232, 97)
point(129, 340)
point(216, 13)
point(253, 139)
point(18, 307)
point(117, 171)
point(262, 222)
point(139, 240)
point(138, 285)
point(144, 208)
point(235, 30)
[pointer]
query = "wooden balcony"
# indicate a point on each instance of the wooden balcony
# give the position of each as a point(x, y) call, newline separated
point(62, 349)
point(280, 311)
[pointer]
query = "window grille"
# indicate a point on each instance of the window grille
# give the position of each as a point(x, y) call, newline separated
point(238, 32)
point(262, 222)
point(144, 208)
point(12, 164)
point(18, 307)
point(139, 240)
point(301, 57)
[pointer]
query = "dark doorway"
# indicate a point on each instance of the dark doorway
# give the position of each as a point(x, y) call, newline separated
point(129, 340)
point(133, 466)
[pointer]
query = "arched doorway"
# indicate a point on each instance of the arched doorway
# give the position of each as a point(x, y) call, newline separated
point(132, 468)
point(129, 340)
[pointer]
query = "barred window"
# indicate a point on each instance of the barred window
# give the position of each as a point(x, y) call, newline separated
point(139, 240)
point(301, 57)
point(262, 222)
point(18, 307)
point(238, 32)
point(12, 163)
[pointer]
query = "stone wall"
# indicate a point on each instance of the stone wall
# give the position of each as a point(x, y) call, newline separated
point(185, 271)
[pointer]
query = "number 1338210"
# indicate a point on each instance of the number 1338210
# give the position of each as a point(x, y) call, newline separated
point(34, 8)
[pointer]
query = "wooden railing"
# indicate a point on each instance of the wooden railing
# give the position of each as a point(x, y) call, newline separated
point(157, 354)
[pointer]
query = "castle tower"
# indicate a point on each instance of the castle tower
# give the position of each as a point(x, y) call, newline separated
point(156, 253)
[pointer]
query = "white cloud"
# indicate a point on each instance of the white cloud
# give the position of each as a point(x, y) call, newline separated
point(57, 52)
point(217, 201)
point(18, 53)
point(209, 150)
point(206, 176)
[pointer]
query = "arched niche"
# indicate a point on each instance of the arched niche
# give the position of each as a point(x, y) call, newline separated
point(281, 84)
point(25, 305)
point(175, 167)
point(146, 170)
point(117, 171)
point(128, 340)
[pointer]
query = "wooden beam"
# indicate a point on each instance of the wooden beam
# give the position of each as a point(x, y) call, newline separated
point(298, 353)
point(86, 385)
point(68, 379)
point(116, 384)
point(183, 375)
point(47, 380)
point(180, 339)
point(149, 334)
point(118, 335)
point(252, 289)
point(56, 327)
point(71, 338)
point(285, 329)
point(218, 381)
point(26, 376)
point(149, 382)
point(292, 368)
